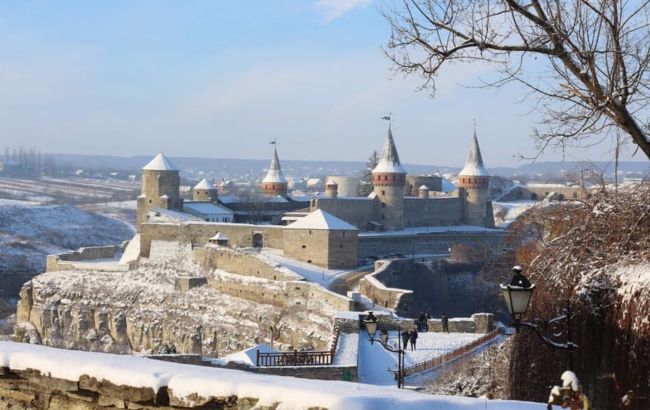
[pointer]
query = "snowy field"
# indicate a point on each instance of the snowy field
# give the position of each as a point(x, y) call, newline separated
point(186, 380)
point(67, 191)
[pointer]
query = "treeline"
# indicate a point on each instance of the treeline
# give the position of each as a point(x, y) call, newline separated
point(27, 162)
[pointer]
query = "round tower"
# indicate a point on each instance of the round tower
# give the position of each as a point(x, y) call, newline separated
point(204, 192)
point(160, 188)
point(274, 183)
point(332, 189)
point(388, 180)
point(423, 192)
point(475, 183)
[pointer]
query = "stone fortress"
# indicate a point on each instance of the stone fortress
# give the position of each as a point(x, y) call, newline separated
point(194, 272)
point(330, 230)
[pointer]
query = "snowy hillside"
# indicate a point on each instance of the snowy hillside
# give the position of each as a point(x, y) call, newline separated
point(29, 232)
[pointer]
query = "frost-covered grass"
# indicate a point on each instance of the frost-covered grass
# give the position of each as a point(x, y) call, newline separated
point(186, 380)
point(29, 233)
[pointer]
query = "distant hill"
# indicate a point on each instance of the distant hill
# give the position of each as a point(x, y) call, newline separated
point(239, 168)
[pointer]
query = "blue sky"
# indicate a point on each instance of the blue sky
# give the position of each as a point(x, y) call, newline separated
point(222, 78)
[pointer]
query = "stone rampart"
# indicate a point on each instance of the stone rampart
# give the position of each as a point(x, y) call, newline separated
point(374, 245)
point(280, 293)
point(372, 286)
point(80, 259)
point(477, 323)
point(239, 262)
point(198, 233)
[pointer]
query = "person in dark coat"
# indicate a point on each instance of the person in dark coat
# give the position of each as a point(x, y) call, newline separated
point(445, 323)
point(405, 338)
point(413, 337)
point(423, 321)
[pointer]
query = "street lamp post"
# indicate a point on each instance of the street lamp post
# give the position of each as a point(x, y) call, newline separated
point(517, 294)
point(371, 328)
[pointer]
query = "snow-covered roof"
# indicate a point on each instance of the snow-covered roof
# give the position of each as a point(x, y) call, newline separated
point(206, 208)
point(168, 215)
point(331, 182)
point(423, 187)
point(274, 174)
point(203, 184)
point(320, 219)
point(160, 163)
point(219, 237)
point(474, 164)
point(389, 161)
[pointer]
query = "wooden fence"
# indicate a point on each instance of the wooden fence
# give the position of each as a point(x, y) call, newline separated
point(447, 357)
point(296, 358)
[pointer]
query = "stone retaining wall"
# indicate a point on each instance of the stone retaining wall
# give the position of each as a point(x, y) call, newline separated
point(29, 390)
point(477, 323)
point(281, 293)
point(393, 298)
point(76, 259)
point(432, 243)
point(239, 262)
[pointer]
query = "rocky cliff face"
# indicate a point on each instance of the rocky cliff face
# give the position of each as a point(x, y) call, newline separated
point(141, 311)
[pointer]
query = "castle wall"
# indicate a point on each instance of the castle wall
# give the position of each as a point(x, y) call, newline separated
point(238, 262)
point(414, 182)
point(309, 246)
point(198, 233)
point(372, 286)
point(356, 211)
point(281, 293)
point(79, 259)
point(441, 211)
point(538, 192)
point(343, 249)
point(436, 243)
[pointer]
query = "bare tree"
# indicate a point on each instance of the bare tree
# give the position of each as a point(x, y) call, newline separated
point(586, 60)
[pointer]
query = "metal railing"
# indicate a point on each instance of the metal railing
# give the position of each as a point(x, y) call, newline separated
point(452, 355)
point(296, 358)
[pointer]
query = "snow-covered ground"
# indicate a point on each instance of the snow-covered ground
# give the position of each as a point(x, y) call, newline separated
point(374, 360)
point(186, 380)
point(311, 273)
point(505, 213)
point(29, 233)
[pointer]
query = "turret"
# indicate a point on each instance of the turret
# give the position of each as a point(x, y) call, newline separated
point(331, 189)
point(160, 188)
point(274, 183)
point(474, 181)
point(388, 180)
point(204, 192)
point(423, 192)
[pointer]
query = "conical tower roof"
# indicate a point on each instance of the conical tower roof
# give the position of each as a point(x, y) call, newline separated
point(274, 174)
point(474, 164)
point(389, 161)
point(160, 163)
point(203, 184)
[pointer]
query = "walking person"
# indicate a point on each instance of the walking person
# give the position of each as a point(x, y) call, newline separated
point(405, 339)
point(445, 323)
point(413, 337)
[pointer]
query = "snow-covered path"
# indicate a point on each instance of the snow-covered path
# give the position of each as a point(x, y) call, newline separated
point(374, 360)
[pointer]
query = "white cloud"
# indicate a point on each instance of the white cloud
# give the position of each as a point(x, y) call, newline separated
point(334, 9)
